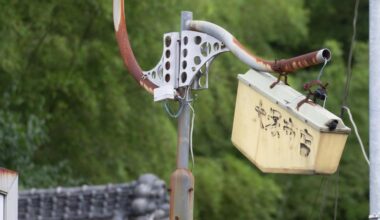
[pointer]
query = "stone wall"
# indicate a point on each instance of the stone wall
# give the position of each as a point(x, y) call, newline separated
point(144, 199)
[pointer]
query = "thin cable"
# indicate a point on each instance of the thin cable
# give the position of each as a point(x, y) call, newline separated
point(350, 55)
point(191, 133)
point(346, 93)
point(324, 101)
point(357, 133)
point(170, 113)
point(317, 196)
point(323, 202)
point(321, 71)
point(319, 78)
point(336, 195)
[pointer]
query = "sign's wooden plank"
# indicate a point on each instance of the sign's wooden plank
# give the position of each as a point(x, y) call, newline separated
point(276, 137)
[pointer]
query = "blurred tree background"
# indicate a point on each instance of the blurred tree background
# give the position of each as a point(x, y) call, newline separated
point(70, 114)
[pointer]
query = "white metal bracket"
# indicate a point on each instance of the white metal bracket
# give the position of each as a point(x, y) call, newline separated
point(163, 74)
point(197, 52)
point(185, 60)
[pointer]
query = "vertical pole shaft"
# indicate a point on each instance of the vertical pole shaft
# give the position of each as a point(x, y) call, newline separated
point(182, 180)
point(184, 135)
point(374, 43)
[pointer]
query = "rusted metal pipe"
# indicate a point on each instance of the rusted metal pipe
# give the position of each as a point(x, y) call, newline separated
point(278, 66)
point(181, 195)
point(125, 47)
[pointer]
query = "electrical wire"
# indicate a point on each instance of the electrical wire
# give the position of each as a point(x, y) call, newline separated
point(321, 185)
point(347, 89)
point(319, 78)
point(323, 202)
point(183, 102)
point(321, 71)
point(170, 113)
point(336, 195)
point(191, 133)
point(324, 102)
point(357, 134)
point(350, 55)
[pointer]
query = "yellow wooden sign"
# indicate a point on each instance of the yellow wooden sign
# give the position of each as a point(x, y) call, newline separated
point(270, 131)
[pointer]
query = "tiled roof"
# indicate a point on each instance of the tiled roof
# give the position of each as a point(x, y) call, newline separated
point(144, 199)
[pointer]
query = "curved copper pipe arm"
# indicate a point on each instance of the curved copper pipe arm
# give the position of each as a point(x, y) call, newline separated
point(125, 47)
point(279, 66)
point(300, 62)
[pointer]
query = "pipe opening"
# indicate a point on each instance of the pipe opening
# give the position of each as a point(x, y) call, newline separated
point(326, 54)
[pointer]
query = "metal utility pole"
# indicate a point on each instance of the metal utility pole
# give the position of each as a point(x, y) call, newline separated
point(374, 108)
point(182, 180)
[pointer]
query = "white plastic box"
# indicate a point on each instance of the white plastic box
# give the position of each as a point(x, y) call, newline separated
point(278, 138)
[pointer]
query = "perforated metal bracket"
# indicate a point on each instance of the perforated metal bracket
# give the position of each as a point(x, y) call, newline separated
point(201, 78)
point(164, 73)
point(185, 61)
point(197, 51)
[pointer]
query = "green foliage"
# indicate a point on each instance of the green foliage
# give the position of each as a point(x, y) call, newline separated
point(19, 142)
point(231, 182)
point(70, 113)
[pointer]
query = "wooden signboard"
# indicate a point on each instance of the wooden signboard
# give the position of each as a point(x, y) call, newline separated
point(278, 138)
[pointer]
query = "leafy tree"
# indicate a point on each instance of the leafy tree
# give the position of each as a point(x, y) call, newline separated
point(71, 114)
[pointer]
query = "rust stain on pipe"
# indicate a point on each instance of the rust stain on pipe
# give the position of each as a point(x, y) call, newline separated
point(299, 62)
point(181, 195)
point(291, 64)
point(127, 52)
